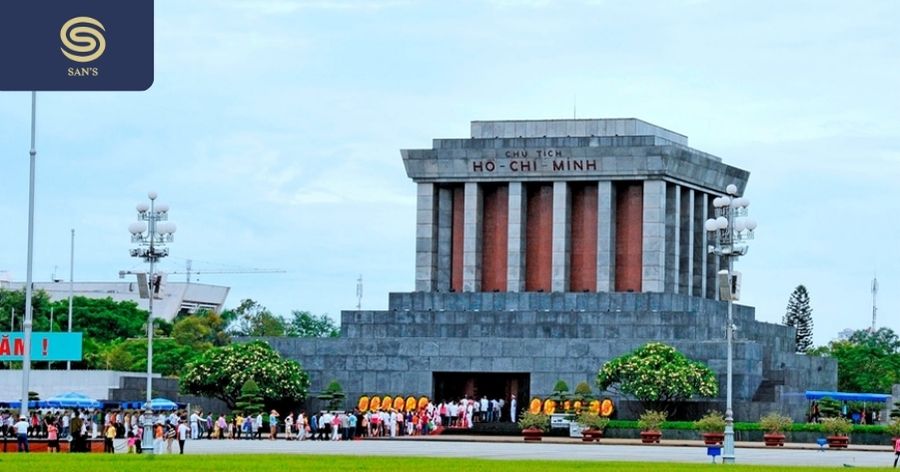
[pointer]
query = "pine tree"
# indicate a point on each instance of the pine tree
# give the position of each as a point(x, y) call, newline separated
point(799, 316)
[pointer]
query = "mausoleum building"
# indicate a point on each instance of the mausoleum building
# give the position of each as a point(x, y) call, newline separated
point(545, 248)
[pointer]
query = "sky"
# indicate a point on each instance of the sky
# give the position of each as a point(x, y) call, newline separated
point(273, 130)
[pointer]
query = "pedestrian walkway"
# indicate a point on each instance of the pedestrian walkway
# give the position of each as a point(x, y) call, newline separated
point(510, 447)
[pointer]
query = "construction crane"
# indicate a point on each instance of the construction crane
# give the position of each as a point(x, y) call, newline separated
point(189, 263)
point(189, 271)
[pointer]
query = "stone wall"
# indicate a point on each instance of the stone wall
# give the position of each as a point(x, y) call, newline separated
point(554, 336)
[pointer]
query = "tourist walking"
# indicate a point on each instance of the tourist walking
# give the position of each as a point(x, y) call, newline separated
point(52, 437)
point(273, 424)
point(182, 435)
point(896, 451)
point(158, 438)
point(109, 434)
point(289, 426)
point(21, 428)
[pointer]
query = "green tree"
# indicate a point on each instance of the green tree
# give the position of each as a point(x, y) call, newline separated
point(221, 372)
point(169, 357)
point(14, 301)
point(867, 362)
point(306, 325)
point(657, 375)
point(799, 316)
point(250, 400)
point(334, 395)
point(252, 319)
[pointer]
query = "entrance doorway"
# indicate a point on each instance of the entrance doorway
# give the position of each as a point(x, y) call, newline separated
point(452, 386)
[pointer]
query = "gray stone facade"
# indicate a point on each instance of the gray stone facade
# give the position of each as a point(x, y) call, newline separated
point(535, 338)
point(553, 336)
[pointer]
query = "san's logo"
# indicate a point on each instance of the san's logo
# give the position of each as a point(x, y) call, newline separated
point(82, 39)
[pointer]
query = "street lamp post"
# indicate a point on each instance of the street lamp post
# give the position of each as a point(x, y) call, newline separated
point(151, 232)
point(728, 230)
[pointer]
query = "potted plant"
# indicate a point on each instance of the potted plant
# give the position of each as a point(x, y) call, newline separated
point(837, 430)
point(775, 425)
point(533, 425)
point(650, 423)
point(712, 425)
point(593, 425)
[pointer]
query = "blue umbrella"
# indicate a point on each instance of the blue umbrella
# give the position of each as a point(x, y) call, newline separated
point(72, 400)
point(161, 404)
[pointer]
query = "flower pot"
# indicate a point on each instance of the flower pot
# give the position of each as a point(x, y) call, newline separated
point(532, 434)
point(590, 435)
point(776, 439)
point(838, 441)
point(713, 438)
point(650, 437)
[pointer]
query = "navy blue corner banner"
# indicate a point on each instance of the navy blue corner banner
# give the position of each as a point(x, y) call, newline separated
point(76, 44)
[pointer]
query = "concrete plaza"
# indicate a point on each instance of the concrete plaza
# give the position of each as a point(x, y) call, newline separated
point(504, 448)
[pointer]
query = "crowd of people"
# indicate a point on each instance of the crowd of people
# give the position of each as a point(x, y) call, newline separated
point(78, 426)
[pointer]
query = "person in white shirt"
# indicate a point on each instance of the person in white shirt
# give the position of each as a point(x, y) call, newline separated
point(195, 425)
point(259, 424)
point(513, 406)
point(182, 432)
point(21, 428)
point(65, 425)
point(289, 426)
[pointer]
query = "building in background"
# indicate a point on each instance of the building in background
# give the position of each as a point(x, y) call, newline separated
point(544, 249)
point(174, 298)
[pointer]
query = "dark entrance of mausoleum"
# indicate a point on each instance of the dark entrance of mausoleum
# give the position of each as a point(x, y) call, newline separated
point(455, 385)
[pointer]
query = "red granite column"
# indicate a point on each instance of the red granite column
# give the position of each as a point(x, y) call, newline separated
point(539, 237)
point(583, 259)
point(494, 237)
point(456, 253)
point(629, 236)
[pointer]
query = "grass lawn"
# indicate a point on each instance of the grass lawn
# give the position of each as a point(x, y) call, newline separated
point(281, 463)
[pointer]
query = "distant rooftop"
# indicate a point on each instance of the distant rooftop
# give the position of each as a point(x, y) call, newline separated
point(573, 128)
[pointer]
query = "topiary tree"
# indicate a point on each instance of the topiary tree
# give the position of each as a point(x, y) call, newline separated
point(221, 372)
point(334, 395)
point(560, 391)
point(657, 375)
point(583, 392)
point(250, 401)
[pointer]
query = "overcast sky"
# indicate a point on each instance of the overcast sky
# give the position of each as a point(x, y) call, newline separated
point(273, 130)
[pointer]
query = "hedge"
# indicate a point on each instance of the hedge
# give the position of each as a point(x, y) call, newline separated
point(746, 426)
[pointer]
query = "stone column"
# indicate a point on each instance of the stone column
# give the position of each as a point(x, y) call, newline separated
point(444, 238)
point(472, 238)
point(700, 245)
point(673, 237)
point(606, 236)
point(686, 230)
point(561, 218)
point(426, 238)
point(654, 240)
point(515, 267)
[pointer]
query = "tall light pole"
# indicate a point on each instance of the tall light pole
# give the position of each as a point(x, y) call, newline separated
point(728, 230)
point(151, 233)
point(27, 322)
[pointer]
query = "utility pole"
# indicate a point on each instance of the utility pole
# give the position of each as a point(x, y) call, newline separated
point(874, 301)
point(359, 292)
